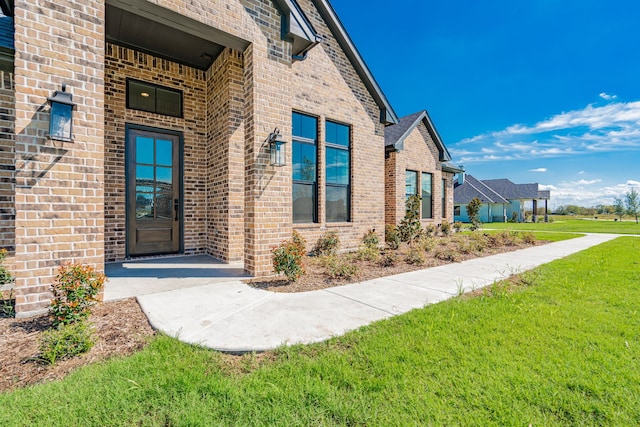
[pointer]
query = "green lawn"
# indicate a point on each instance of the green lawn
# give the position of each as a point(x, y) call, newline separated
point(549, 236)
point(563, 352)
point(567, 224)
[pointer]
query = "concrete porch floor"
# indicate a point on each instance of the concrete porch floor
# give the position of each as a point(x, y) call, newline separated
point(149, 276)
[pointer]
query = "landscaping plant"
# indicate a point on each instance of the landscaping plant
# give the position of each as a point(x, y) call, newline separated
point(410, 227)
point(473, 210)
point(287, 258)
point(327, 244)
point(75, 290)
point(392, 236)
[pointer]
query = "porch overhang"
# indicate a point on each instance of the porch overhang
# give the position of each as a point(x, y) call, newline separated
point(150, 28)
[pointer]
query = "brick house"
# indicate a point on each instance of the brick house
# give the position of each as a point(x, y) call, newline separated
point(176, 101)
point(416, 164)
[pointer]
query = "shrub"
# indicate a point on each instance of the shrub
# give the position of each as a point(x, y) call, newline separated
point(370, 239)
point(457, 226)
point(327, 244)
point(368, 253)
point(65, 341)
point(415, 257)
point(339, 268)
point(528, 238)
point(388, 260)
point(7, 304)
point(473, 210)
point(426, 243)
point(446, 255)
point(391, 236)
point(5, 275)
point(299, 241)
point(75, 290)
point(445, 227)
point(410, 227)
point(287, 259)
point(429, 231)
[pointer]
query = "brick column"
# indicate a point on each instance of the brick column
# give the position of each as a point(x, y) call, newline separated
point(267, 188)
point(59, 186)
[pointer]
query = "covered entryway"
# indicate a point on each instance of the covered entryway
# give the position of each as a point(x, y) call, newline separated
point(154, 174)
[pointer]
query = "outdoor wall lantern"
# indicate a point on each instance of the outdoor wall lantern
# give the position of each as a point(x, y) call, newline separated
point(277, 148)
point(61, 120)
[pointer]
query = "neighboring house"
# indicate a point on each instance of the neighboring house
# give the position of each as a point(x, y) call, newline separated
point(502, 200)
point(177, 101)
point(415, 165)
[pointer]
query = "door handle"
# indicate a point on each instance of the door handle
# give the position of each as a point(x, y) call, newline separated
point(176, 208)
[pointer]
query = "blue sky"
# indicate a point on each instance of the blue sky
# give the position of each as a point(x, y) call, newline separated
point(541, 91)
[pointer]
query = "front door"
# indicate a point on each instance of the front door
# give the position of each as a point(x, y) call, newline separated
point(153, 192)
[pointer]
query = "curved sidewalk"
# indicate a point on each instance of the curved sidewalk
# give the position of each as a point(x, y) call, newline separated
point(234, 317)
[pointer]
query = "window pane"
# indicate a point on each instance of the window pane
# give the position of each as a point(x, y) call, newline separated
point(444, 198)
point(337, 166)
point(304, 162)
point(304, 201)
point(141, 96)
point(337, 134)
point(144, 150)
point(168, 102)
point(427, 191)
point(304, 126)
point(337, 204)
point(164, 152)
point(411, 183)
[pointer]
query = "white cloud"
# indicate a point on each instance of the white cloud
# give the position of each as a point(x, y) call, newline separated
point(581, 173)
point(633, 183)
point(538, 170)
point(585, 193)
point(607, 97)
point(613, 127)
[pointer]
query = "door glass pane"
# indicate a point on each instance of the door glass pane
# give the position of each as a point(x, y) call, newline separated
point(144, 206)
point(164, 205)
point(144, 150)
point(164, 152)
point(144, 175)
point(144, 188)
point(164, 176)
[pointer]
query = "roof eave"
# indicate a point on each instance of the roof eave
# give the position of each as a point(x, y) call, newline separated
point(387, 114)
point(7, 7)
point(297, 29)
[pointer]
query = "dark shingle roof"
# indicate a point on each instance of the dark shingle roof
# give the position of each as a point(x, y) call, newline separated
point(6, 32)
point(471, 188)
point(395, 135)
point(496, 191)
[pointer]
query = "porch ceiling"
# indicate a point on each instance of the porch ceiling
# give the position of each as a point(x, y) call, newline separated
point(152, 29)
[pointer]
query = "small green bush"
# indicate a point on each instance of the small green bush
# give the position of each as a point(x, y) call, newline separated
point(299, 241)
point(426, 243)
point(445, 227)
point(5, 275)
point(415, 256)
point(65, 341)
point(287, 259)
point(429, 231)
point(389, 259)
point(391, 236)
point(457, 226)
point(75, 290)
point(368, 253)
point(447, 255)
point(339, 267)
point(370, 239)
point(327, 244)
point(528, 237)
point(7, 304)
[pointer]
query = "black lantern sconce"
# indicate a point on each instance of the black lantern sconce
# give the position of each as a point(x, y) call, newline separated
point(61, 115)
point(277, 148)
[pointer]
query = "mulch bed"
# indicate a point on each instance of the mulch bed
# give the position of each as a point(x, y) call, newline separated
point(122, 328)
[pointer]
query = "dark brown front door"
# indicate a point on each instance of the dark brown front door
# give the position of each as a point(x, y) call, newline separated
point(153, 192)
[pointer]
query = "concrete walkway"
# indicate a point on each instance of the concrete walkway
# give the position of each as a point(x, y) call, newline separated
point(234, 317)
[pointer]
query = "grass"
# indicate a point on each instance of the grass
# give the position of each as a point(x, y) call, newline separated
point(563, 352)
point(540, 235)
point(569, 224)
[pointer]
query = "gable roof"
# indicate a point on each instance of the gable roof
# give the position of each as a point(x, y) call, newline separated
point(328, 14)
point(496, 191)
point(297, 29)
point(472, 188)
point(395, 135)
